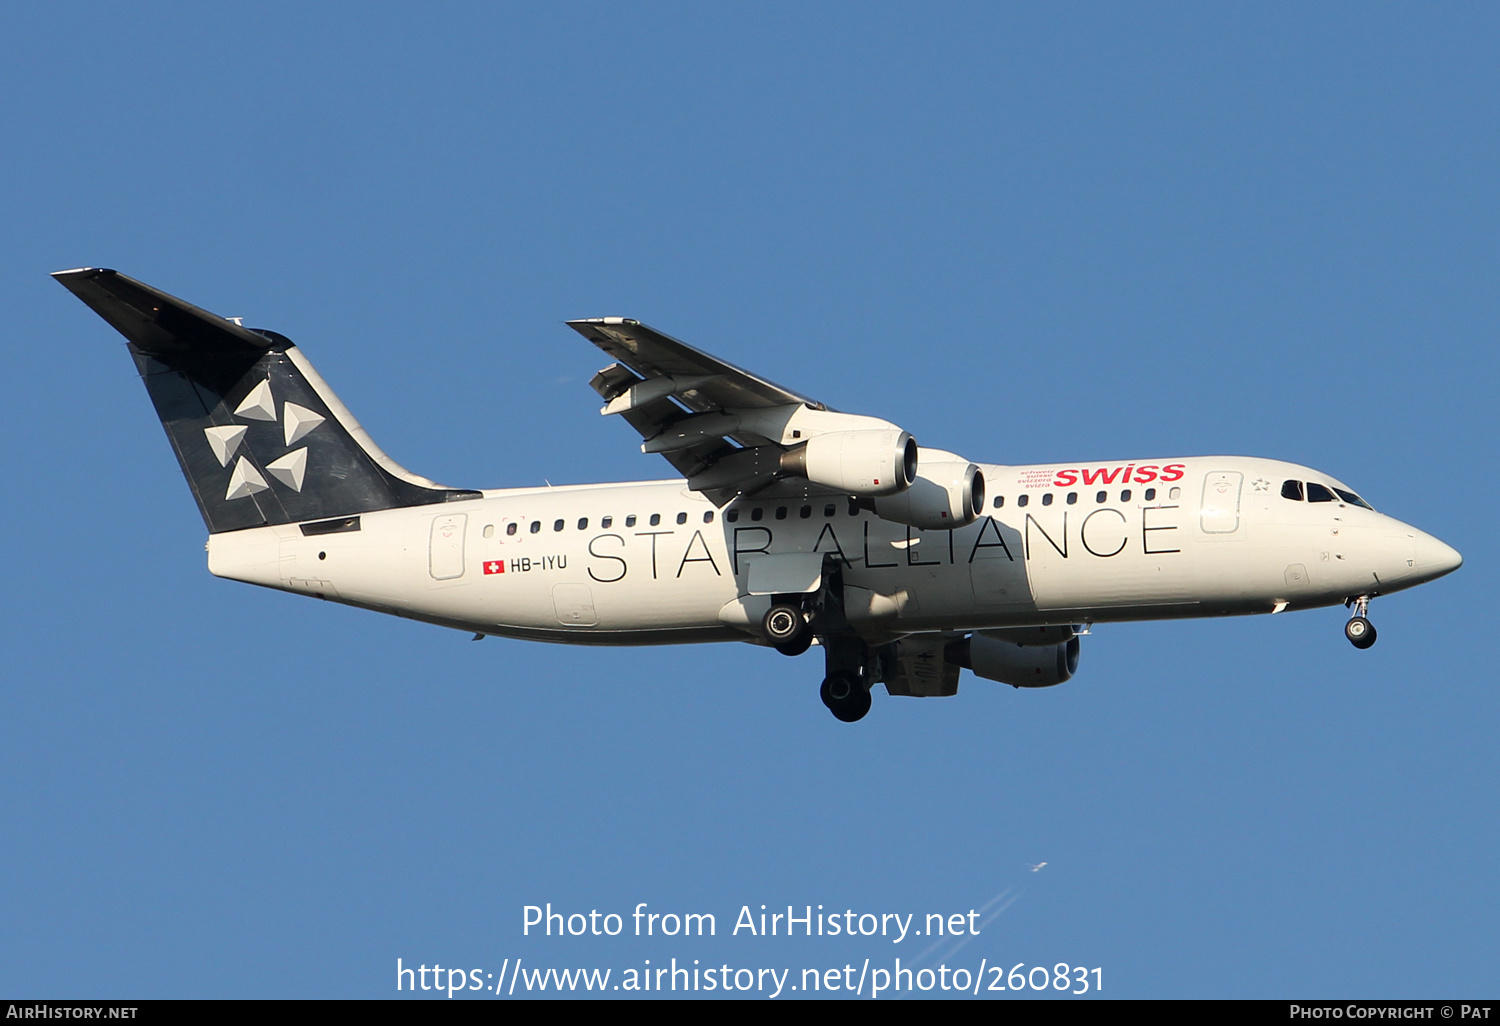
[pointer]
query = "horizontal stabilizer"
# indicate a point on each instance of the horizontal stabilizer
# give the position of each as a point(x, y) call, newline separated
point(155, 322)
point(260, 437)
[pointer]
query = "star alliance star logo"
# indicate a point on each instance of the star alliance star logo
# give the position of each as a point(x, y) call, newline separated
point(1260, 484)
point(297, 423)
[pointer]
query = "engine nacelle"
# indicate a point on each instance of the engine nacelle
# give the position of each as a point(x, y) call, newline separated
point(1028, 664)
point(948, 493)
point(870, 462)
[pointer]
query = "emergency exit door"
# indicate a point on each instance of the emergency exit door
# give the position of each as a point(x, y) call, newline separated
point(445, 554)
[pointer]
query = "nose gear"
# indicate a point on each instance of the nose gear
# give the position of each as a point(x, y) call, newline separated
point(1359, 630)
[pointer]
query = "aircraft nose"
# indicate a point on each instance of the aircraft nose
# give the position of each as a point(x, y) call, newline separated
point(1434, 558)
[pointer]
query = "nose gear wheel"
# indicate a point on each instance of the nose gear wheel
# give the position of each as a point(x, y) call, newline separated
point(1359, 630)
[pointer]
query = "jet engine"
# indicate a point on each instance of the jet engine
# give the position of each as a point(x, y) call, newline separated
point(948, 492)
point(1036, 660)
point(867, 462)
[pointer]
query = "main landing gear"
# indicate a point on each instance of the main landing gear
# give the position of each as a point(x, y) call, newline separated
point(1359, 630)
point(845, 695)
point(846, 686)
point(844, 689)
point(787, 628)
point(793, 621)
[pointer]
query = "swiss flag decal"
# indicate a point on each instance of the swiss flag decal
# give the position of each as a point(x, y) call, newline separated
point(495, 566)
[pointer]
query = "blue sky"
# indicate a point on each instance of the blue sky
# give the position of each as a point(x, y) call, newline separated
point(1029, 234)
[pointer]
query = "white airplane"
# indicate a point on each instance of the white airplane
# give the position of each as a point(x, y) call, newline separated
point(791, 523)
point(1036, 867)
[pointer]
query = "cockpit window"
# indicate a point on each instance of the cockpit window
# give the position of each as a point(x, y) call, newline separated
point(1318, 493)
point(1352, 499)
point(1291, 490)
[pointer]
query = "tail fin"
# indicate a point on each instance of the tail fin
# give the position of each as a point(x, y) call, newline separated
point(260, 436)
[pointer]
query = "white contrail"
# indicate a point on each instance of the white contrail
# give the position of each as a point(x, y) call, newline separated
point(982, 910)
point(953, 950)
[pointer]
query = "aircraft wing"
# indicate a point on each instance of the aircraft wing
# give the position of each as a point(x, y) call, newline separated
point(649, 353)
point(719, 426)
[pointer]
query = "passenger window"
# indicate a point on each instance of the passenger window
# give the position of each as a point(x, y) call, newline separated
point(733, 516)
point(830, 509)
point(999, 501)
point(1047, 499)
point(606, 521)
point(655, 519)
point(1150, 494)
point(1318, 493)
point(780, 512)
point(805, 512)
point(1175, 494)
point(853, 508)
point(755, 513)
point(682, 518)
point(1125, 495)
point(1023, 500)
point(708, 517)
point(1072, 498)
point(630, 520)
point(511, 528)
point(583, 523)
point(489, 530)
point(536, 526)
point(1291, 490)
point(1101, 497)
point(557, 525)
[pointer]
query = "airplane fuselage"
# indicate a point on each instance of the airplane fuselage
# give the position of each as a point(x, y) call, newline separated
point(653, 562)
